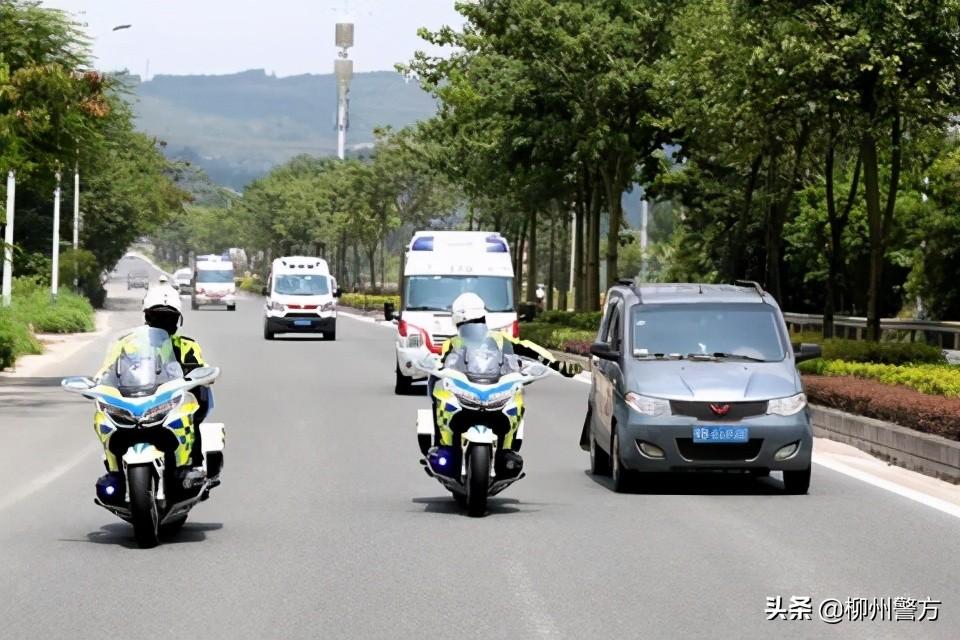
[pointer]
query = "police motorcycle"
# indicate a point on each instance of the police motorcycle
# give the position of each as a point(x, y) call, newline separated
point(479, 397)
point(144, 420)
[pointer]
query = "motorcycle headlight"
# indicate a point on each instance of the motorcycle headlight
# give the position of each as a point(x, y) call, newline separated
point(787, 406)
point(120, 417)
point(159, 413)
point(646, 405)
point(328, 307)
point(497, 400)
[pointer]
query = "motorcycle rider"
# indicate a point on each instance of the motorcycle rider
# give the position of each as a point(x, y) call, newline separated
point(162, 310)
point(470, 316)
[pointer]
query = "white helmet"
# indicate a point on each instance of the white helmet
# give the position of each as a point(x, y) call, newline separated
point(162, 296)
point(163, 279)
point(468, 307)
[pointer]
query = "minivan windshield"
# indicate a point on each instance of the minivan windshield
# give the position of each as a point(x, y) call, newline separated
point(437, 293)
point(218, 276)
point(713, 330)
point(301, 285)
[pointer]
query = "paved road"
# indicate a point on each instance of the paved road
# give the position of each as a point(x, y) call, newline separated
point(326, 526)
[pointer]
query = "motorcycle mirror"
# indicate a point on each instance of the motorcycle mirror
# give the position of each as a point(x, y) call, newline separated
point(78, 384)
point(204, 375)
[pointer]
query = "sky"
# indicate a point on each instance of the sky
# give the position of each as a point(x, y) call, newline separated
point(285, 37)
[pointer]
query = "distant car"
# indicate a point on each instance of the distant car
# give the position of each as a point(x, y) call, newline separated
point(183, 278)
point(138, 280)
point(692, 377)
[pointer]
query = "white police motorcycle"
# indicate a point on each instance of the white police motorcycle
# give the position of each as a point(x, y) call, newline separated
point(144, 419)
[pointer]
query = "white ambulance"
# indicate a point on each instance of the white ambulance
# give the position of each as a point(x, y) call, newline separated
point(301, 298)
point(213, 284)
point(438, 267)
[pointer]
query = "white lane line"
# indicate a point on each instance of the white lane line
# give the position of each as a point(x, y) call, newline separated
point(367, 319)
point(911, 494)
point(531, 604)
point(42, 481)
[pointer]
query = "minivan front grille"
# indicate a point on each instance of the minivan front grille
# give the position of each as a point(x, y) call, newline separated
point(712, 452)
point(718, 411)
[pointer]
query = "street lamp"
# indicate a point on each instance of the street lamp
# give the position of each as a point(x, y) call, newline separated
point(343, 69)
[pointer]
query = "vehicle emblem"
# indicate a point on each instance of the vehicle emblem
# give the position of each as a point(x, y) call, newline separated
point(720, 409)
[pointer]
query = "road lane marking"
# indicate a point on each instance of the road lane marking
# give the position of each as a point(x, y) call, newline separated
point(911, 494)
point(43, 480)
point(531, 604)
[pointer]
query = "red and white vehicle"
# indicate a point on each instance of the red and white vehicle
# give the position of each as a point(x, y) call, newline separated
point(438, 267)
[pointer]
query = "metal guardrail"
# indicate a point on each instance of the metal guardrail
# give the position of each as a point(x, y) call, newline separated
point(944, 334)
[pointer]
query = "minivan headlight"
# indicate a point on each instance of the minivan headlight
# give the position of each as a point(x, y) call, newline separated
point(646, 405)
point(787, 406)
point(327, 307)
point(277, 306)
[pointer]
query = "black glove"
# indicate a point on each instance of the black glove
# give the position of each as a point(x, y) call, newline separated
point(565, 368)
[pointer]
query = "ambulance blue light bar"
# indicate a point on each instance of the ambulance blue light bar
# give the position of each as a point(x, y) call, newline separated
point(423, 243)
point(496, 244)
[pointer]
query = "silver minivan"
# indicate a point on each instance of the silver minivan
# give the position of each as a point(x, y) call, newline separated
point(697, 377)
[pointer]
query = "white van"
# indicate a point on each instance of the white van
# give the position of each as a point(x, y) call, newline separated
point(301, 298)
point(213, 283)
point(439, 266)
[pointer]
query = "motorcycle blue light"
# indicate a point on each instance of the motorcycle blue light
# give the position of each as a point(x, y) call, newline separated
point(442, 461)
point(450, 408)
point(110, 490)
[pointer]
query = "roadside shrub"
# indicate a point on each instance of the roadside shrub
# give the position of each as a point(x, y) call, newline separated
point(557, 337)
point(15, 339)
point(882, 352)
point(34, 308)
point(250, 284)
point(932, 379)
point(368, 301)
point(82, 264)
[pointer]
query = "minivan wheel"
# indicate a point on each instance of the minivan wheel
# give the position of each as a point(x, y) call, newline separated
point(621, 477)
point(797, 482)
point(599, 460)
point(402, 386)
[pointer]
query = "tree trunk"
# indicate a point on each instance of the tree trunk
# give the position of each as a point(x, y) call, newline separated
point(518, 261)
point(579, 280)
point(372, 257)
point(838, 223)
point(593, 252)
point(871, 186)
point(614, 190)
point(358, 280)
point(551, 259)
point(532, 259)
point(735, 258)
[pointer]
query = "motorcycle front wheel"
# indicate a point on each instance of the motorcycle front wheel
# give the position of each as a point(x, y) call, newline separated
point(143, 507)
point(478, 480)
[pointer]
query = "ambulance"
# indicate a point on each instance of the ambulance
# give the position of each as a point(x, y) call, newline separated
point(300, 298)
point(438, 267)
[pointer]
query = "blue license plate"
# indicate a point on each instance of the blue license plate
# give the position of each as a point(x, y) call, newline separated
point(721, 435)
point(303, 323)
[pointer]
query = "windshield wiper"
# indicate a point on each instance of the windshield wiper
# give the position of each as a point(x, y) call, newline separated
point(721, 355)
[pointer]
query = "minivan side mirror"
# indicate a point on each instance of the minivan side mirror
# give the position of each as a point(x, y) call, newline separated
point(807, 351)
point(337, 292)
point(604, 351)
point(263, 290)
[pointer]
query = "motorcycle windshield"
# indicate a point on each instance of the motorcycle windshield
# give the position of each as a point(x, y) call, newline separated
point(482, 360)
point(145, 360)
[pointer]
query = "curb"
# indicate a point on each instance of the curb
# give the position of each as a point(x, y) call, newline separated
point(924, 453)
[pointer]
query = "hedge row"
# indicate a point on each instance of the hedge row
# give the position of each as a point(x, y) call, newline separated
point(369, 301)
point(899, 405)
point(583, 320)
point(932, 379)
point(881, 352)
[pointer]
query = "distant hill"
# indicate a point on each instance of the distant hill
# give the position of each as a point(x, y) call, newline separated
point(238, 126)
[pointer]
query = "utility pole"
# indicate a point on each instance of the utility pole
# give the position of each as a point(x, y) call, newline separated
point(76, 228)
point(55, 275)
point(573, 252)
point(8, 239)
point(343, 69)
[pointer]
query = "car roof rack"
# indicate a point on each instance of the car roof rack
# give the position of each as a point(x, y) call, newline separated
point(751, 283)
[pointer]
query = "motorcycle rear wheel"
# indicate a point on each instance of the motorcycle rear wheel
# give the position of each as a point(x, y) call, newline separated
point(478, 480)
point(143, 507)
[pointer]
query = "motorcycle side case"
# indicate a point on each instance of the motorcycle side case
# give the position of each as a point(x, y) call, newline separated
point(424, 429)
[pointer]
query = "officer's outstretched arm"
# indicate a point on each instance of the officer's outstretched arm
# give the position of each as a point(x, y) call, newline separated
point(528, 349)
